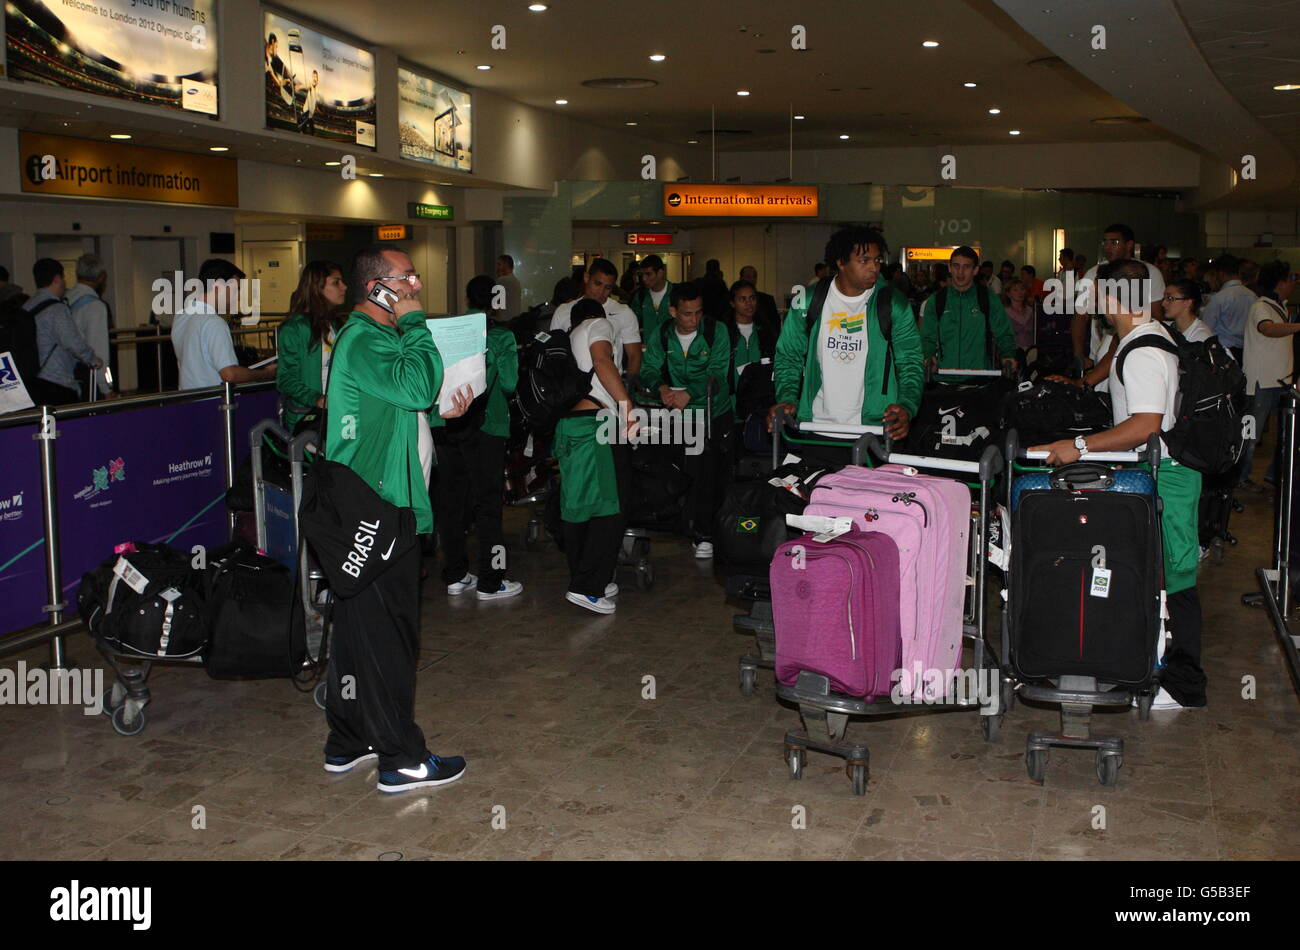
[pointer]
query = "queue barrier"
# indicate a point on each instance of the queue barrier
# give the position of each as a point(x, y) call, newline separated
point(1276, 584)
point(77, 480)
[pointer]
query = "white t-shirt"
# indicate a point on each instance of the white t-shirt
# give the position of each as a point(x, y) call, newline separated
point(1100, 342)
point(746, 330)
point(580, 338)
point(1198, 332)
point(1150, 380)
point(658, 295)
point(842, 356)
point(1265, 359)
point(686, 339)
point(626, 327)
point(424, 445)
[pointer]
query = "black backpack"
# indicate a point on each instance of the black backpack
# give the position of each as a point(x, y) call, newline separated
point(18, 336)
point(1207, 433)
point(981, 298)
point(550, 383)
point(883, 299)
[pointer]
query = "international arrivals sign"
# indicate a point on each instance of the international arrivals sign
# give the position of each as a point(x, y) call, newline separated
point(58, 165)
point(740, 201)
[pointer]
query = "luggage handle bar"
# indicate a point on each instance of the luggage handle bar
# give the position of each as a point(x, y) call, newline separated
point(858, 451)
point(1089, 456)
point(987, 373)
point(989, 465)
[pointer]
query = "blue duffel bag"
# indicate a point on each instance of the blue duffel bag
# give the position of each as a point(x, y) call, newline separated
point(1084, 476)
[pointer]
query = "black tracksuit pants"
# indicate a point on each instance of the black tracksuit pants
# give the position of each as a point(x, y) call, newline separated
point(469, 478)
point(375, 640)
point(592, 546)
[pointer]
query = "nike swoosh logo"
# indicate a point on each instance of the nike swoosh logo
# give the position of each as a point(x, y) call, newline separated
point(421, 772)
point(384, 556)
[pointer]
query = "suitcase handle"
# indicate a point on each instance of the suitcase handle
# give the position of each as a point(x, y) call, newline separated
point(1083, 475)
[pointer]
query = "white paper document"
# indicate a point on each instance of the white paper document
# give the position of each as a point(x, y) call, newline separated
point(462, 344)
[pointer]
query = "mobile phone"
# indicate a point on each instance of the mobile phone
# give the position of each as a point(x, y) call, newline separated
point(382, 297)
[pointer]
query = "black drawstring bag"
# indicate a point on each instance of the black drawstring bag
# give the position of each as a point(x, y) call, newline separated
point(355, 534)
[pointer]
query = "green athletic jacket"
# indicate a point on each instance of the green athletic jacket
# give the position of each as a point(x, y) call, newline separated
point(297, 373)
point(797, 372)
point(647, 314)
point(379, 379)
point(961, 331)
point(692, 369)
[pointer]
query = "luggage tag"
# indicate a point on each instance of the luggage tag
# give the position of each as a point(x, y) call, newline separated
point(134, 579)
point(171, 595)
point(1100, 573)
point(765, 361)
point(827, 529)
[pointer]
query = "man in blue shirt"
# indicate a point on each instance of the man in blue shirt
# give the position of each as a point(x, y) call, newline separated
point(1226, 312)
point(204, 348)
point(59, 346)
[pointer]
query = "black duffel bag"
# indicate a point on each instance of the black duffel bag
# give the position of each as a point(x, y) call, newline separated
point(958, 420)
point(146, 602)
point(256, 624)
point(1052, 411)
point(750, 524)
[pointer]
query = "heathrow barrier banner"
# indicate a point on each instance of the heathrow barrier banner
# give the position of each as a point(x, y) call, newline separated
point(434, 122)
point(154, 474)
point(158, 52)
point(317, 85)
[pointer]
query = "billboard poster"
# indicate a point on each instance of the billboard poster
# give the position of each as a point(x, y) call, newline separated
point(434, 122)
point(158, 52)
point(317, 85)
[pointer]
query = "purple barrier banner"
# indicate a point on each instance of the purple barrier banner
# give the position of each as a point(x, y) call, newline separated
point(155, 474)
point(22, 530)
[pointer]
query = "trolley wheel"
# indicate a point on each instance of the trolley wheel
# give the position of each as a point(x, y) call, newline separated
point(747, 676)
point(532, 537)
point(645, 574)
point(1108, 768)
point(128, 727)
point(1144, 706)
point(990, 726)
point(1216, 551)
point(641, 547)
point(318, 694)
point(1036, 764)
point(795, 759)
point(114, 697)
point(1008, 697)
point(858, 776)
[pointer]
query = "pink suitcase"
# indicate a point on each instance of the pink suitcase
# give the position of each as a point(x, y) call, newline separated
point(929, 520)
point(835, 610)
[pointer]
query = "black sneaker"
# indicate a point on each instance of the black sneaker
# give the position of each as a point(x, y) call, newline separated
point(346, 763)
point(432, 771)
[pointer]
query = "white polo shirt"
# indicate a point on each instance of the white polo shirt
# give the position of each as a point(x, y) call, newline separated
point(1150, 380)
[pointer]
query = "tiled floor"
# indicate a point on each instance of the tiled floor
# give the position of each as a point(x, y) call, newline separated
point(568, 760)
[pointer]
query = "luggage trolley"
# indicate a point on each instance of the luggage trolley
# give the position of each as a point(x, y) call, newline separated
point(830, 711)
point(1077, 694)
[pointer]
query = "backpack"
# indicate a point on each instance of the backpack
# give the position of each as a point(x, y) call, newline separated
point(981, 298)
point(1207, 434)
point(550, 382)
point(18, 336)
point(149, 607)
point(883, 300)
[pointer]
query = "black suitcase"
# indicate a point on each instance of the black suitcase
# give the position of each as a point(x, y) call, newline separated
point(257, 630)
point(958, 421)
point(1061, 622)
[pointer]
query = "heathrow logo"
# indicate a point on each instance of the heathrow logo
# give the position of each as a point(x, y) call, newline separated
point(674, 200)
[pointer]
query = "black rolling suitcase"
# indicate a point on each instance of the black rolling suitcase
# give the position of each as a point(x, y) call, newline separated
point(1215, 510)
point(1086, 577)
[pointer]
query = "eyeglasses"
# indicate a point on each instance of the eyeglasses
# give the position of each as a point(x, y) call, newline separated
point(409, 278)
point(1111, 242)
point(1167, 299)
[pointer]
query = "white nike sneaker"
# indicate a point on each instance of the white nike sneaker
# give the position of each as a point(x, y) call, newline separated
point(462, 585)
point(611, 591)
point(507, 589)
point(1164, 701)
point(703, 550)
point(600, 605)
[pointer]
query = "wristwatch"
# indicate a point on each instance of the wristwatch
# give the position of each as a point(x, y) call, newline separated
point(1081, 444)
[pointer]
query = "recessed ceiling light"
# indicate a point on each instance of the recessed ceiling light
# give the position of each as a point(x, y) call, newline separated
point(218, 148)
point(537, 7)
point(1014, 132)
point(693, 142)
point(119, 135)
point(930, 44)
point(843, 137)
point(332, 164)
point(969, 85)
point(376, 174)
point(561, 102)
point(483, 67)
point(1287, 87)
point(995, 112)
point(657, 57)
point(742, 92)
point(629, 123)
point(800, 117)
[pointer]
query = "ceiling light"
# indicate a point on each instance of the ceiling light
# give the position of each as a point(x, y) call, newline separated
point(218, 148)
point(930, 44)
point(693, 142)
point(742, 92)
point(1014, 132)
point(537, 7)
point(799, 117)
point(483, 67)
point(995, 112)
point(376, 174)
point(332, 164)
point(657, 57)
point(969, 85)
point(843, 137)
point(1285, 87)
point(561, 102)
point(119, 135)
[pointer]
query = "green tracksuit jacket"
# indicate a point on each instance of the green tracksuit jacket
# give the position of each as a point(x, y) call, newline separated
point(959, 333)
point(693, 369)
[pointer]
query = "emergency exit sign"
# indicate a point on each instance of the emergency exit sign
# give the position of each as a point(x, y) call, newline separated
point(639, 238)
point(415, 209)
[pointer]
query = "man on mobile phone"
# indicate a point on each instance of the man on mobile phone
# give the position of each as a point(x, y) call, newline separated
point(385, 371)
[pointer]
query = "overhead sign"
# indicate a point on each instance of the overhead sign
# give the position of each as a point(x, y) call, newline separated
point(434, 123)
point(317, 85)
point(932, 253)
point(324, 232)
point(55, 165)
point(151, 51)
point(392, 232)
point(640, 238)
point(415, 209)
point(741, 201)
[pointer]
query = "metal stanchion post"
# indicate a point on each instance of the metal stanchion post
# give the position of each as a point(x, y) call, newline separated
point(228, 423)
point(157, 353)
point(54, 605)
point(1286, 485)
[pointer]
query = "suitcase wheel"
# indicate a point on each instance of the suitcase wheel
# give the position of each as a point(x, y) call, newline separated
point(1036, 764)
point(532, 536)
point(318, 694)
point(747, 681)
point(1144, 707)
point(645, 574)
point(1108, 768)
point(858, 776)
point(128, 719)
point(990, 726)
point(795, 758)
